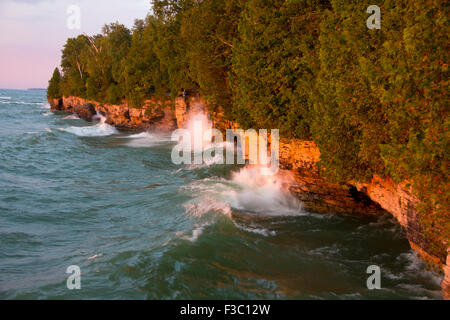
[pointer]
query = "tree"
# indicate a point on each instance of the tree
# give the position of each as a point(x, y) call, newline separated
point(275, 64)
point(170, 47)
point(209, 47)
point(54, 91)
point(74, 64)
point(142, 72)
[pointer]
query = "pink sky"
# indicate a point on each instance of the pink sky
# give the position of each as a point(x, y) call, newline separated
point(33, 33)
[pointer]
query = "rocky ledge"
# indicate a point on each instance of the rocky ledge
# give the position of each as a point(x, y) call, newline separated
point(154, 114)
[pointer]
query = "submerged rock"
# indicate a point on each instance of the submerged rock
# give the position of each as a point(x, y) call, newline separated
point(85, 111)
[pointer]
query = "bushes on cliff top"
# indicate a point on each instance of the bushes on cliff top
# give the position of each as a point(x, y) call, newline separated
point(142, 71)
point(275, 63)
point(54, 91)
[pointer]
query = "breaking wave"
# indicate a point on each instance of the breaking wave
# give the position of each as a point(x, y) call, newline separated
point(248, 191)
point(101, 129)
point(72, 117)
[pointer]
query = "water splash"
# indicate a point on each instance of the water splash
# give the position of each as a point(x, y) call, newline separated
point(248, 191)
point(146, 139)
point(72, 117)
point(101, 129)
point(197, 125)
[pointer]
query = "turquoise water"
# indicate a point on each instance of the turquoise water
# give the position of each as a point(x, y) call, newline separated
point(140, 227)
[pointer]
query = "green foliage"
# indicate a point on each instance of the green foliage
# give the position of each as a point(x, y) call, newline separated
point(208, 31)
point(74, 63)
point(275, 63)
point(142, 72)
point(169, 45)
point(92, 64)
point(114, 94)
point(348, 122)
point(382, 103)
point(54, 91)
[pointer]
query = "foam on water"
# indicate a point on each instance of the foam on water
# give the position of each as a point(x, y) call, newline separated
point(22, 103)
point(197, 232)
point(72, 117)
point(146, 139)
point(101, 129)
point(253, 229)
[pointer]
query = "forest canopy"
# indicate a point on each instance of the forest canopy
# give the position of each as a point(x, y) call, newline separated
point(374, 101)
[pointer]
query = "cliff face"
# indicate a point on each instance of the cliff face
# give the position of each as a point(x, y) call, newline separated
point(300, 157)
point(155, 114)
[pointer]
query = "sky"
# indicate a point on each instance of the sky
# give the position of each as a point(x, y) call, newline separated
point(33, 33)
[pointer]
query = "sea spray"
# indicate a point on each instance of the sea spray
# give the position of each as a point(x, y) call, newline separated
point(245, 198)
point(248, 191)
point(146, 139)
point(72, 117)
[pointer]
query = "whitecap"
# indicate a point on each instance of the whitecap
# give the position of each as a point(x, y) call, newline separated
point(93, 131)
point(415, 266)
point(261, 231)
point(95, 256)
point(248, 191)
point(197, 232)
point(146, 139)
point(72, 117)
point(26, 103)
point(101, 129)
point(200, 207)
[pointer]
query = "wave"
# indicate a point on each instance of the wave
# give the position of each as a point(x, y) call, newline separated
point(416, 267)
point(217, 159)
point(197, 232)
point(146, 139)
point(23, 103)
point(5, 98)
point(253, 229)
point(248, 191)
point(101, 129)
point(72, 117)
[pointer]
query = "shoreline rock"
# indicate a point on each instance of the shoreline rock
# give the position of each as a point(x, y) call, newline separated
point(85, 111)
point(154, 114)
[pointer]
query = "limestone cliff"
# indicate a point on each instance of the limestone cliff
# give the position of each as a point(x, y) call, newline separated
point(156, 114)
